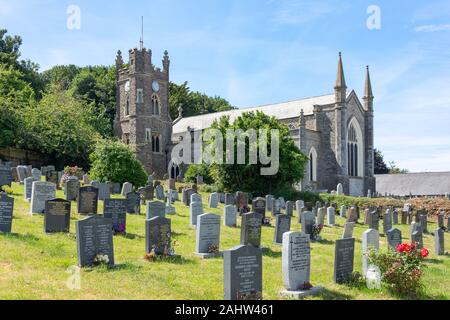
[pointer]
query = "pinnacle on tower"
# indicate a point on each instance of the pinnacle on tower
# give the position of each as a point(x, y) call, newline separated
point(368, 95)
point(340, 88)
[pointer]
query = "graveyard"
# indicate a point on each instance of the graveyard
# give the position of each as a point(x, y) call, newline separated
point(35, 264)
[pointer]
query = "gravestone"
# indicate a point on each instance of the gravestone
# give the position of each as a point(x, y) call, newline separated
point(307, 222)
point(282, 225)
point(344, 256)
point(373, 220)
point(352, 215)
point(41, 192)
point(14, 176)
point(387, 221)
point(6, 213)
point(116, 188)
point(169, 208)
point(87, 202)
point(158, 235)
point(116, 210)
point(320, 219)
point(171, 184)
point(36, 174)
point(213, 200)
point(6, 177)
point(94, 237)
point(195, 209)
point(195, 197)
point(222, 197)
point(348, 230)
point(155, 209)
point(150, 179)
point(242, 202)
point(276, 207)
point(126, 188)
point(415, 226)
point(299, 206)
point(52, 176)
point(259, 207)
point(21, 173)
point(229, 199)
point(208, 235)
point(230, 215)
point(71, 188)
point(441, 220)
point(448, 224)
point(404, 217)
point(417, 237)
point(340, 189)
point(439, 241)
point(159, 192)
point(370, 241)
point(251, 229)
point(57, 216)
point(147, 193)
point(282, 203)
point(133, 203)
point(194, 187)
point(394, 238)
point(269, 202)
point(95, 184)
point(343, 212)
point(289, 208)
point(28, 185)
point(199, 179)
point(86, 180)
point(242, 273)
point(331, 216)
point(423, 223)
point(104, 191)
point(395, 216)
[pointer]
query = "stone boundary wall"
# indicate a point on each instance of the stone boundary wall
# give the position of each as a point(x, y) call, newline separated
point(19, 156)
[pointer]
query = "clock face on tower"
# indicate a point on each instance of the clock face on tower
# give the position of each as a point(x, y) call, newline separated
point(155, 86)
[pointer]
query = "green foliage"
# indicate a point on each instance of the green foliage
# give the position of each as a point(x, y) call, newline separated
point(247, 177)
point(60, 76)
point(380, 166)
point(198, 170)
point(7, 189)
point(393, 169)
point(343, 200)
point(114, 161)
point(193, 103)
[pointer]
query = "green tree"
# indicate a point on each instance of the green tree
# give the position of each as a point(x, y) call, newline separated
point(247, 177)
point(198, 170)
point(116, 162)
point(393, 169)
point(379, 164)
point(60, 76)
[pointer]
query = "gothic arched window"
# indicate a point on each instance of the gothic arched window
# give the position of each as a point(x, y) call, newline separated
point(355, 149)
point(312, 164)
point(156, 143)
point(155, 104)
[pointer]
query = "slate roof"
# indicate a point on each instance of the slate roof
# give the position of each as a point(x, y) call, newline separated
point(284, 110)
point(417, 184)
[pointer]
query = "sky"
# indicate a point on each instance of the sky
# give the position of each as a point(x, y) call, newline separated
point(254, 52)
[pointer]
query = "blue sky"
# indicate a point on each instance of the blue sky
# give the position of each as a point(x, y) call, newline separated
point(255, 52)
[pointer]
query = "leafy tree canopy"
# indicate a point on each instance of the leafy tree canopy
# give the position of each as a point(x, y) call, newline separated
point(380, 165)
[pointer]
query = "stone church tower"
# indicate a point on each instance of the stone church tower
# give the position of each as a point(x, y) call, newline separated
point(142, 114)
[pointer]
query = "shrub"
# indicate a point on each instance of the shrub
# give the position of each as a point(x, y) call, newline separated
point(195, 170)
point(7, 189)
point(401, 270)
point(114, 161)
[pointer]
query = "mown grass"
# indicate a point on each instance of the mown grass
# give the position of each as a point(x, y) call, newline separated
point(33, 264)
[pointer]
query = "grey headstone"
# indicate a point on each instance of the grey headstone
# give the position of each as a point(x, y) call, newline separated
point(343, 212)
point(126, 188)
point(276, 207)
point(230, 199)
point(417, 237)
point(259, 206)
point(289, 208)
point(195, 197)
point(387, 221)
point(296, 260)
point(71, 189)
point(242, 273)
point(331, 216)
point(423, 222)
point(158, 235)
point(87, 202)
point(52, 176)
point(344, 256)
point(394, 238)
point(251, 229)
point(57, 216)
point(439, 241)
point(147, 193)
point(133, 203)
point(21, 173)
point(6, 177)
point(104, 191)
point(269, 202)
point(307, 222)
point(213, 200)
point(441, 220)
point(159, 192)
point(352, 215)
point(242, 202)
point(41, 192)
point(340, 189)
point(299, 206)
point(230, 215)
point(394, 216)
point(321, 216)
point(195, 209)
point(208, 233)
point(94, 236)
point(282, 225)
point(6, 213)
point(373, 220)
point(28, 185)
point(155, 209)
point(116, 210)
point(36, 174)
point(348, 230)
point(370, 241)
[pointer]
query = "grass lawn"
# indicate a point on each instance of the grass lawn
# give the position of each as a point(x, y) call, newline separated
point(33, 264)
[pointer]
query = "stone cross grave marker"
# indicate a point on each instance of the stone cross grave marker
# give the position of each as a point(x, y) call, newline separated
point(57, 216)
point(94, 237)
point(243, 273)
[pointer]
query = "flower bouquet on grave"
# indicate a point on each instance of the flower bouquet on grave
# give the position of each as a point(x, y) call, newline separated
point(119, 228)
point(213, 248)
point(315, 233)
point(101, 259)
point(252, 295)
point(306, 286)
point(74, 171)
point(266, 221)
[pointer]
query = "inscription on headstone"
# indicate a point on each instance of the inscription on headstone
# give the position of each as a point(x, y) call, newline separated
point(251, 229)
point(57, 216)
point(6, 213)
point(87, 202)
point(344, 255)
point(116, 210)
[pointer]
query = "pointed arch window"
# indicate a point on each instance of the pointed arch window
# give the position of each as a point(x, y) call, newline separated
point(312, 165)
point(156, 142)
point(155, 104)
point(355, 149)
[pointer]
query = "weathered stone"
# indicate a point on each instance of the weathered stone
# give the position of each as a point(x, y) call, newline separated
point(439, 241)
point(331, 216)
point(348, 230)
point(289, 208)
point(213, 200)
point(87, 202)
point(394, 238)
point(208, 235)
point(344, 255)
point(251, 229)
point(6, 213)
point(282, 225)
point(57, 216)
point(116, 210)
point(307, 222)
point(230, 215)
point(296, 260)
point(41, 192)
point(158, 235)
point(133, 203)
point(155, 209)
point(195, 209)
point(126, 187)
point(370, 241)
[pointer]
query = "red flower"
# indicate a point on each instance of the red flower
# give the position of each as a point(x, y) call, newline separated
point(401, 247)
point(424, 253)
point(413, 246)
point(408, 247)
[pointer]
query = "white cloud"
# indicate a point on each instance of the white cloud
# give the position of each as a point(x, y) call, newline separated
point(432, 28)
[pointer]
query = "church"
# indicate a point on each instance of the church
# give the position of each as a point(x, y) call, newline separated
point(334, 130)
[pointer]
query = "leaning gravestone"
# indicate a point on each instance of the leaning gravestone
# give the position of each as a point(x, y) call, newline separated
point(251, 229)
point(242, 273)
point(230, 215)
point(331, 216)
point(6, 213)
point(158, 235)
point(87, 202)
point(94, 237)
point(126, 188)
point(6, 177)
point(348, 230)
point(439, 241)
point(394, 238)
point(133, 202)
point(213, 200)
point(282, 225)
point(57, 216)
point(116, 210)
point(208, 235)
point(370, 241)
point(41, 192)
point(296, 265)
point(72, 188)
point(344, 255)
point(155, 209)
point(195, 209)
point(159, 192)
point(307, 222)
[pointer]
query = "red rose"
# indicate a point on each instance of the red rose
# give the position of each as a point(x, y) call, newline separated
point(400, 247)
point(424, 253)
point(408, 247)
